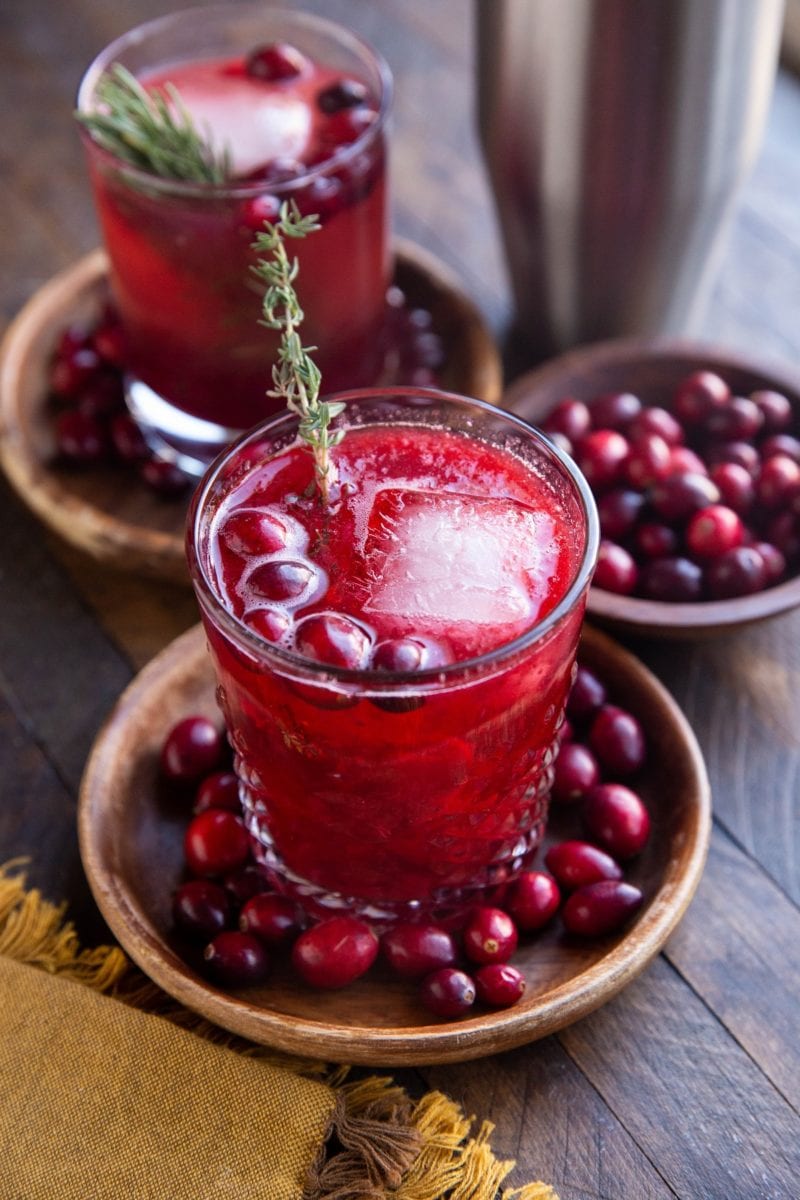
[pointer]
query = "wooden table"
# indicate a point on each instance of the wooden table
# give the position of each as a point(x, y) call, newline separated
point(688, 1084)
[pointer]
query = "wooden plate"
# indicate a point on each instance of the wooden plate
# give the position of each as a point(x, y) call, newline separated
point(131, 849)
point(652, 368)
point(107, 512)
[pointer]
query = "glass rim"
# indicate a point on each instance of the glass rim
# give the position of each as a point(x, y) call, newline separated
point(243, 189)
point(381, 681)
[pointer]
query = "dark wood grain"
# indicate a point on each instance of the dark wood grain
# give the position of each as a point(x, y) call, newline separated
point(686, 1084)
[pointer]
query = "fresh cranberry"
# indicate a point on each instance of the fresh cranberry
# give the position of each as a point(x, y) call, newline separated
point(671, 580)
point(261, 210)
point(774, 561)
point(269, 623)
point(215, 841)
point(615, 410)
point(499, 985)
point(448, 992)
point(220, 790)
point(416, 950)
point(775, 408)
point(684, 461)
point(566, 732)
point(275, 62)
point(489, 936)
point(617, 739)
point(345, 93)
point(742, 453)
point(406, 654)
point(108, 339)
point(616, 570)
point(71, 373)
point(678, 496)
point(576, 772)
point(242, 883)
point(533, 900)
point(739, 420)
point(619, 511)
point(699, 394)
point(650, 459)
point(778, 481)
point(600, 908)
point(570, 417)
point(322, 197)
point(103, 396)
point(333, 639)
point(128, 439)
point(654, 540)
point(713, 531)
point(575, 863)
point(250, 531)
point(615, 817)
point(347, 125)
point(281, 579)
point(164, 477)
point(71, 339)
point(236, 959)
point(193, 748)
point(659, 421)
point(335, 952)
point(781, 443)
point(587, 695)
point(783, 531)
point(738, 572)
point(274, 920)
point(735, 485)
point(601, 455)
point(201, 908)
point(81, 438)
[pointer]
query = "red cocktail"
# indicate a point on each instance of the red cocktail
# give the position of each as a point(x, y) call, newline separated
point(393, 666)
point(300, 104)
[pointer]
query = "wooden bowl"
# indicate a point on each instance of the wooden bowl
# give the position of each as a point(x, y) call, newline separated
point(652, 369)
point(107, 511)
point(131, 846)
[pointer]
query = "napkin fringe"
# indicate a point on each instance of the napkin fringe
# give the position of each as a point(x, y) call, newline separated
point(379, 1139)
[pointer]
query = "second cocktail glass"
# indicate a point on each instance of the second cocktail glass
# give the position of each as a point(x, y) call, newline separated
point(307, 123)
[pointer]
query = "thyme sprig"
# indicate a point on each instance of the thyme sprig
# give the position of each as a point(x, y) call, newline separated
point(152, 130)
point(295, 376)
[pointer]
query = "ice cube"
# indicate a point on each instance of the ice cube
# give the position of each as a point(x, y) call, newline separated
point(442, 558)
point(228, 109)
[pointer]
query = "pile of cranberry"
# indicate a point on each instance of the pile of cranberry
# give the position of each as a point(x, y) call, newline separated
point(228, 908)
point(697, 501)
point(93, 427)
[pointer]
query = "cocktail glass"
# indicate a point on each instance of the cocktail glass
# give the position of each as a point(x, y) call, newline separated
point(395, 793)
point(180, 254)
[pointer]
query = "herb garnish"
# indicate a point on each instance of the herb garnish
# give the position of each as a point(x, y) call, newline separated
point(152, 130)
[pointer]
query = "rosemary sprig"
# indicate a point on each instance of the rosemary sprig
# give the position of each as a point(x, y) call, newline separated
point(152, 130)
point(295, 375)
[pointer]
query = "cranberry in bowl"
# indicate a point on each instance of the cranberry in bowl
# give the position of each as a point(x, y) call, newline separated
point(693, 455)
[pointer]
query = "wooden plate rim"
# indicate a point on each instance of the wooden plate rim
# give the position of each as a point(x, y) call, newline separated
point(439, 1043)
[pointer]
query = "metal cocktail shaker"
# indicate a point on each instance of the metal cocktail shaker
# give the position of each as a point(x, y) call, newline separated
point(618, 134)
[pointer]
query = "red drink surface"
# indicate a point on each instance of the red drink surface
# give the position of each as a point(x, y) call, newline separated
point(181, 256)
point(376, 790)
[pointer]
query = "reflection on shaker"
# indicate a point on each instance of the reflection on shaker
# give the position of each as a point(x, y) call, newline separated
point(618, 135)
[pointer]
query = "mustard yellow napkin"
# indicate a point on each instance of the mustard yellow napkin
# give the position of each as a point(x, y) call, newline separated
point(102, 1101)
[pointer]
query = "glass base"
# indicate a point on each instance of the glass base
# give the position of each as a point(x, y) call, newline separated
point(449, 907)
point(173, 435)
